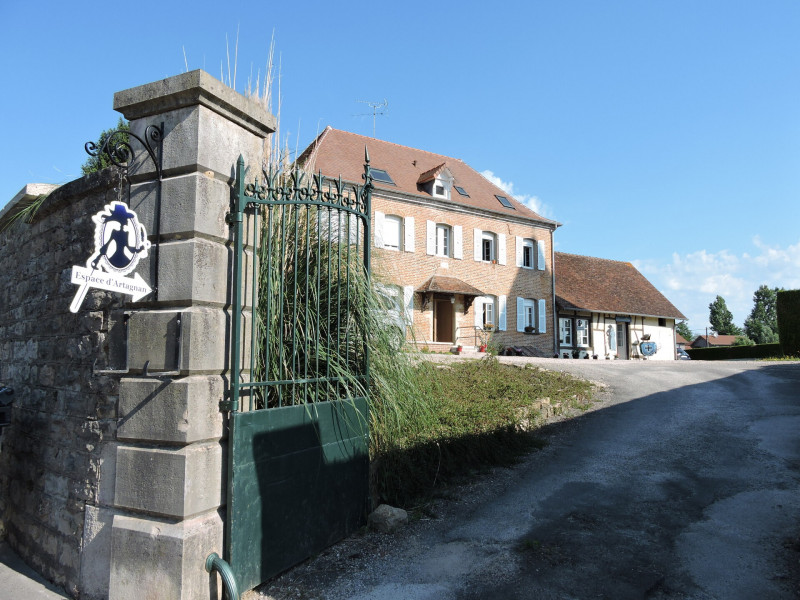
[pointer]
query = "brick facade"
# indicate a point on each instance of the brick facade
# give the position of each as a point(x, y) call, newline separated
point(406, 267)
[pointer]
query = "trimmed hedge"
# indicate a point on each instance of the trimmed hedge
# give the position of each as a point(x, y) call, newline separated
point(734, 352)
point(788, 308)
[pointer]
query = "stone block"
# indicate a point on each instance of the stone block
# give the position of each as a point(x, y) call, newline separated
point(197, 139)
point(192, 89)
point(154, 336)
point(192, 271)
point(108, 473)
point(155, 560)
point(192, 204)
point(184, 410)
point(201, 346)
point(95, 566)
point(174, 482)
point(205, 346)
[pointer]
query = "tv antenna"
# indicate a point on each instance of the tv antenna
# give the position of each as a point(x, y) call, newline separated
point(374, 106)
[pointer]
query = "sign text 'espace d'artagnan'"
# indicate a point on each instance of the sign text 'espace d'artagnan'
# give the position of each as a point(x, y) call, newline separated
point(119, 242)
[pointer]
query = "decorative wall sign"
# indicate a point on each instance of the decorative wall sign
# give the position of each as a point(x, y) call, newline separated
point(648, 348)
point(119, 242)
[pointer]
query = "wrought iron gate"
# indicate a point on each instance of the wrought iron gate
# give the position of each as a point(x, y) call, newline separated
point(298, 439)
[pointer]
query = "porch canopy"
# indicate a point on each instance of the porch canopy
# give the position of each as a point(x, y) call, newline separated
point(440, 284)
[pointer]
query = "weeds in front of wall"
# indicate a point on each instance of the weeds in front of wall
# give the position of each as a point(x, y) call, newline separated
point(24, 213)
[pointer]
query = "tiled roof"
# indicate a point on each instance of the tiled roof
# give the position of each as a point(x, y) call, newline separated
point(337, 152)
point(714, 340)
point(679, 339)
point(431, 173)
point(449, 285)
point(612, 286)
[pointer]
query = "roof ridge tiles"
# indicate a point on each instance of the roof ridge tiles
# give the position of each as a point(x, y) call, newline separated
point(405, 146)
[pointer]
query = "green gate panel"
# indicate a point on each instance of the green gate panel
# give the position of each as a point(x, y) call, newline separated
point(299, 482)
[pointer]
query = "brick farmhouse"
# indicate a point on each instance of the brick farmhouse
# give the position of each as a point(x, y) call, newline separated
point(466, 263)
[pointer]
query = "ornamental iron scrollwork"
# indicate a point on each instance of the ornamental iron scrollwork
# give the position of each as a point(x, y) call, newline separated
point(120, 152)
point(299, 187)
point(117, 147)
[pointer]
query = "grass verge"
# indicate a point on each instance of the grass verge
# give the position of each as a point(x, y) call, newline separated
point(466, 416)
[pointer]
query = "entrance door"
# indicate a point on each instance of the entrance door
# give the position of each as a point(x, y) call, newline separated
point(443, 321)
point(622, 341)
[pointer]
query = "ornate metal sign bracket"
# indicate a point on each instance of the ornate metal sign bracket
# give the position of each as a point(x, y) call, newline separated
point(117, 147)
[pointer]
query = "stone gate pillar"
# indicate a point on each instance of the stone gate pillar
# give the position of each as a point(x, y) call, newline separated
point(166, 503)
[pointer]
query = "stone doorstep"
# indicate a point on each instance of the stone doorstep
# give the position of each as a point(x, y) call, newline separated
point(468, 352)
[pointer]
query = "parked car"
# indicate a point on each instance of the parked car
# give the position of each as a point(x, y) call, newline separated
point(683, 355)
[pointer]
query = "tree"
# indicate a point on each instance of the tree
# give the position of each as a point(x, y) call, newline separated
point(101, 160)
point(721, 318)
point(762, 324)
point(683, 329)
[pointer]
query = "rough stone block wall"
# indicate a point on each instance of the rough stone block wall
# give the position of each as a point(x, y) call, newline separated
point(51, 462)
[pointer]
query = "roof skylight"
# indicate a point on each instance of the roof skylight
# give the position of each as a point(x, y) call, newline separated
point(461, 190)
point(504, 201)
point(381, 175)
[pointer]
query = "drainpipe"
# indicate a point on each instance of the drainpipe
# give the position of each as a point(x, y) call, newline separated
point(555, 312)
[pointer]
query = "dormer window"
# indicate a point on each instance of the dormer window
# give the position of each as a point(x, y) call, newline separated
point(437, 181)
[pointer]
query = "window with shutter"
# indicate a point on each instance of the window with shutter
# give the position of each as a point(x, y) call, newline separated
point(392, 232)
point(443, 240)
point(540, 257)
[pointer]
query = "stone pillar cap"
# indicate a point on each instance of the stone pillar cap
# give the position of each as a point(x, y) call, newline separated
point(191, 89)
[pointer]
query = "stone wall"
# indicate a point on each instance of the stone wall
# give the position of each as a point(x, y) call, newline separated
point(113, 484)
point(52, 461)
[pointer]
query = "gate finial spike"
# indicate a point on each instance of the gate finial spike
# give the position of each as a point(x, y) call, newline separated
point(366, 154)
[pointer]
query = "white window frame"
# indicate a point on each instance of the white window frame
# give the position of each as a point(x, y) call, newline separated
point(582, 327)
point(444, 240)
point(392, 224)
point(445, 181)
point(486, 312)
point(488, 241)
point(526, 313)
point(527, 244)
point(565, 336)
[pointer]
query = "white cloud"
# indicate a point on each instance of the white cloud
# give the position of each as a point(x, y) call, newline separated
point(532, 202)
point(692, 281)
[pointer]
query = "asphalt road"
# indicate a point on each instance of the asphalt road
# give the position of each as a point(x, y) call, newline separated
point(682, 483)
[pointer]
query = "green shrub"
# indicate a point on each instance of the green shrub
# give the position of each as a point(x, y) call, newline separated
point(788, 308)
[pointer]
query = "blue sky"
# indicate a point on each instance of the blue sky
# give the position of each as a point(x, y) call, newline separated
point(662, 133)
